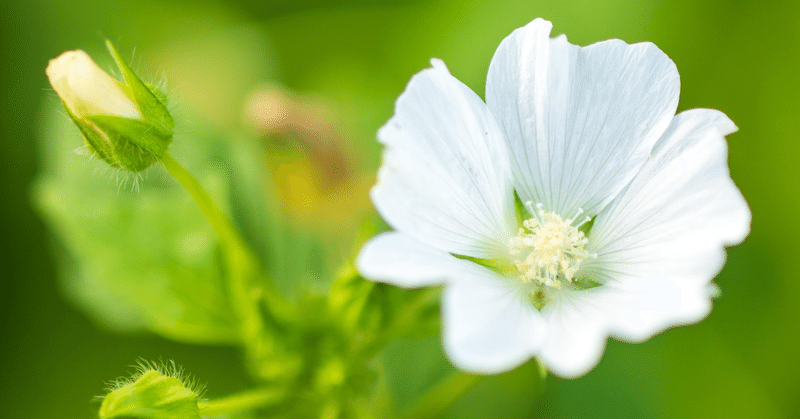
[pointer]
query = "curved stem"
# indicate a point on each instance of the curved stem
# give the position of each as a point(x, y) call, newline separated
point(247, 400)
point(441, 397)
point(222, 225)
point(243, 266)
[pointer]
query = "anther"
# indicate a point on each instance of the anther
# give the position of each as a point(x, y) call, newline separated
point(552, 249)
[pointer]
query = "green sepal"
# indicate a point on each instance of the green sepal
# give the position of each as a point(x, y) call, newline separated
point(95, 140)
point(152, 108)
point(136, 144)
point(586, 228)
point(502, 266)
point(152, 395)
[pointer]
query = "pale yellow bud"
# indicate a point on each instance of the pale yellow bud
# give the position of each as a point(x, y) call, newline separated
point(88, 90)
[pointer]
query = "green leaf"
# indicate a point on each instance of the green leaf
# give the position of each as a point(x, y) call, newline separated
point(136, 260)
point(148, 257)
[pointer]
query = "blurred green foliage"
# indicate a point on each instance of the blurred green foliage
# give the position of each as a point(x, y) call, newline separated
point(151, 394)
point(355, 57)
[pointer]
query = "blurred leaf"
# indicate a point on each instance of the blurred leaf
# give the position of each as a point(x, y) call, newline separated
point(415, 367)
point(213, 63)
point(138, 253)
point(276, 8)
point(377, 312)
point(513, 394)
point(140, 264)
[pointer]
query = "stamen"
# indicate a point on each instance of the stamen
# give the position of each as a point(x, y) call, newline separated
point(529, 206)
point(538, 213)
point(585, 220)
point(575, 217)
point(552, 247)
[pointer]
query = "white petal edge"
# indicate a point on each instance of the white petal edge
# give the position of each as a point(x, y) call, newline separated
point(662, 240)
point(577, 328)
point(579, 322)
point(645, 308)
point(489, 324)
point(445, 178)
point(579, 122)
point(399, 259)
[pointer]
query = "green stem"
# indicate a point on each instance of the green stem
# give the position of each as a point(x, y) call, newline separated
point(243, 266)
point(440, 398)
point(247, 400)
point(222, 225)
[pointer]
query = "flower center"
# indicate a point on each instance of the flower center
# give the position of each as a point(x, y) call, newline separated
point(550, 247)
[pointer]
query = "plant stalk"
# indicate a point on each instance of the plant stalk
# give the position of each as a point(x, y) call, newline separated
point(244, 282)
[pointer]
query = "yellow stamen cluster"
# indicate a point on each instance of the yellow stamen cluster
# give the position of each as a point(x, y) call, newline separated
point(552, 248)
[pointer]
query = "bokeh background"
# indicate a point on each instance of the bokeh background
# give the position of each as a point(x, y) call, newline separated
point(345, 62)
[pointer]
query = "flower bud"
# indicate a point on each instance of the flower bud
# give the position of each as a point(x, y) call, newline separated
point(125, 124)
point(151, 395)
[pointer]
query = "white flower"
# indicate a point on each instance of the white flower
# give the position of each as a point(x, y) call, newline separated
point(88, 90)
point(578, 133)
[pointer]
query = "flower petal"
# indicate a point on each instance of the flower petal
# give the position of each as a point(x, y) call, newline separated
point(399, 259)
point(577, 328)
point(88, 90)
point(489, 325)
point(445, 178)
point(646, 307)
point(579, 322)
point(663, 237)
point(579, 122)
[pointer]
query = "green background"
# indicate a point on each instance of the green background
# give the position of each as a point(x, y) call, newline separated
point(356, 56)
